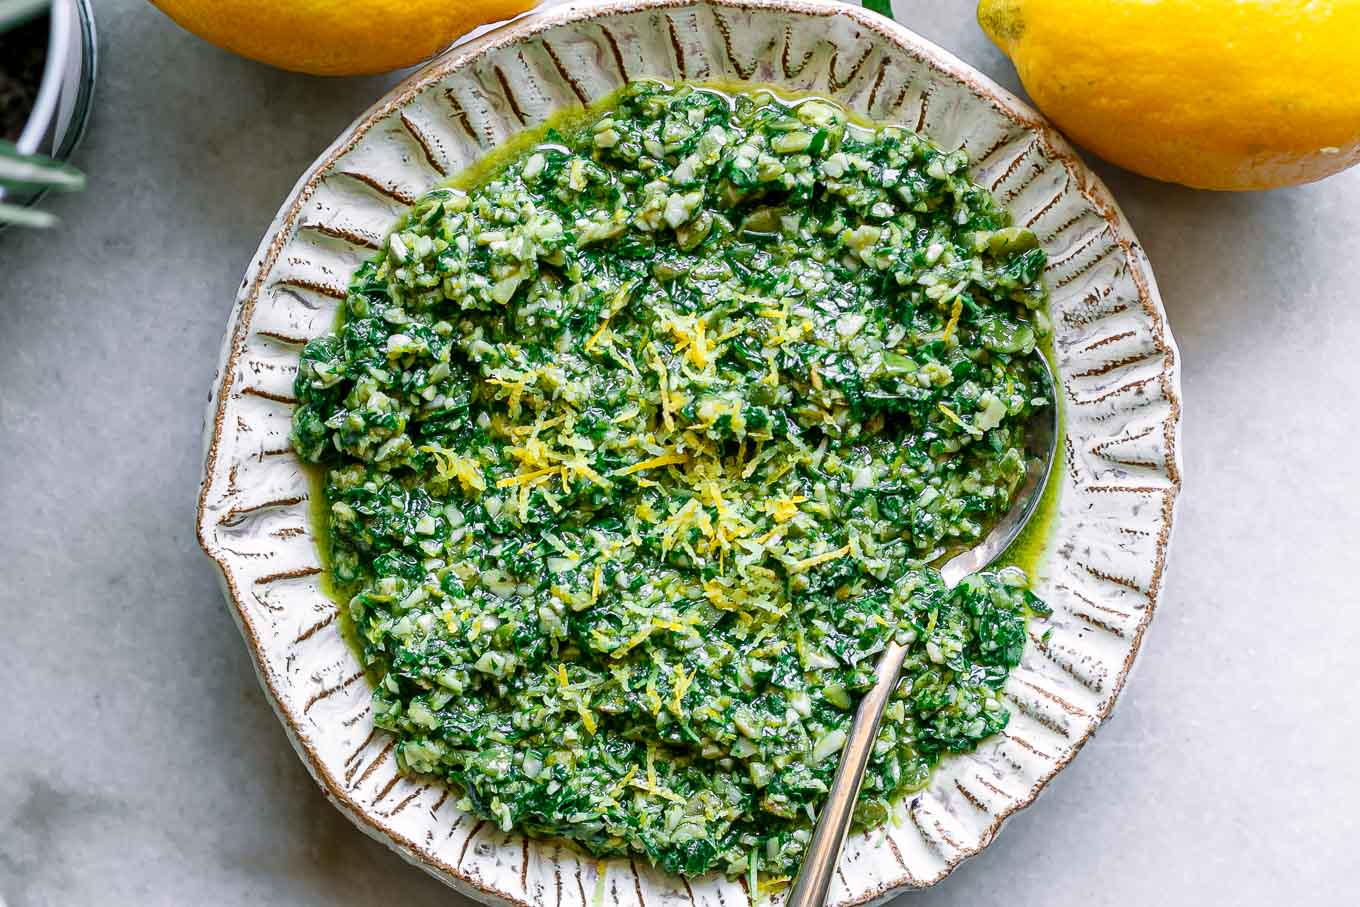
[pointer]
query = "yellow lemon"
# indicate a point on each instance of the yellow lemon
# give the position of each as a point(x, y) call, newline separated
point(1216, 94)
point(337, 37)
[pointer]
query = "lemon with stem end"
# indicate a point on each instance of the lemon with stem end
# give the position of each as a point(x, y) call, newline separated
point(1215, 94)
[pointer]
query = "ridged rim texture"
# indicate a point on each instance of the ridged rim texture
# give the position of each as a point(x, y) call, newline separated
point(1117, 361)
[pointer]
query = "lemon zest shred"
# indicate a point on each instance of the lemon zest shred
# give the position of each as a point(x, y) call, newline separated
point(682, 684)
point(765, 539)
point(954, 417)
point(785, 509)
point(652, 463)
point(516, 389)
point(677, 521)
point(730, 333)
point(698, 350)
point(623, 782)
point(525, 477)
point(754, 463)
point(587, 718)
point(633, 641)
point(772, 377)
point(539, 425)
point(580, 466)
point(449, 465)
point(779, 473)
point(594, 338)
point(953, 318)
point(716, 597)
point(660, 792)
point(615, 306)
point(663, 387)
point(653, 699)
point(816, 559)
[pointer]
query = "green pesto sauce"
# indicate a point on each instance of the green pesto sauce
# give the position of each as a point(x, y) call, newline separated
point(634, 446)
point(1028, 551)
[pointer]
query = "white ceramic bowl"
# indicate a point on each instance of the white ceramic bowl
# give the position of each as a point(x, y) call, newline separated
point(1117, 361)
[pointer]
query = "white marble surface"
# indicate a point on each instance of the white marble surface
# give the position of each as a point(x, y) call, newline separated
point(140, 764)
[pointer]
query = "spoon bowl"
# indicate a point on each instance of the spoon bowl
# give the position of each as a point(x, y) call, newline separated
point(1041, 444)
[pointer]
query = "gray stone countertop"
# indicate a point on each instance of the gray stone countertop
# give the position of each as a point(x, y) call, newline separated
point(141, 765)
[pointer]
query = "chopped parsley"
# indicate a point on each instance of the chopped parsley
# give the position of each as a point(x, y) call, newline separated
point(637, 451)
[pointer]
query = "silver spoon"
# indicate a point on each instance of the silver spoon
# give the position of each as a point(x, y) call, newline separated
point(828, 838)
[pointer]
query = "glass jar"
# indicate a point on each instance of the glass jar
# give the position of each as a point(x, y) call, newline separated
point(61, 111)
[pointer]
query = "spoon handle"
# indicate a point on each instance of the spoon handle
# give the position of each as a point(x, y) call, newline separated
point(824, 850)
point(828, 837)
